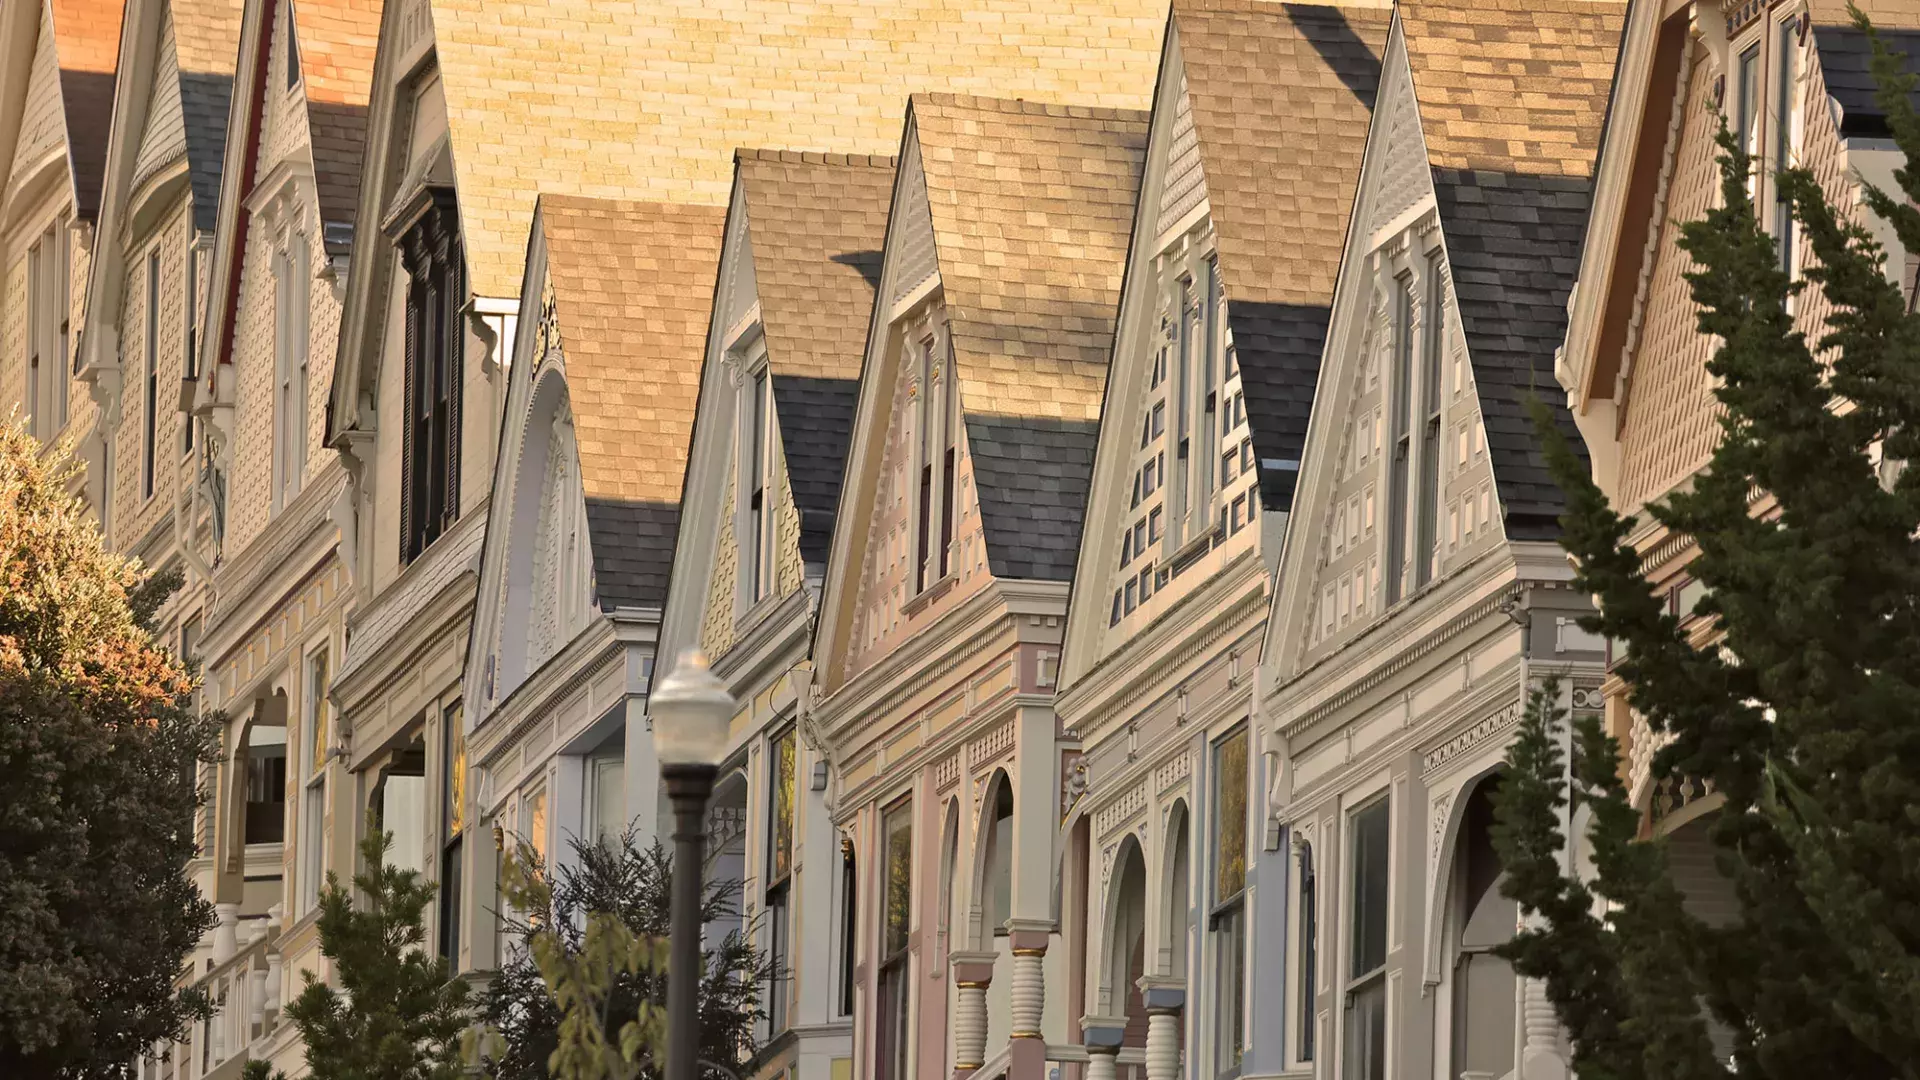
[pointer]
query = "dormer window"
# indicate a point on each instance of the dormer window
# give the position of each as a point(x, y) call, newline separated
point(290, 383)
point(430, 251)
point(758, 456)
point(47, 306)
point(934, 419)
point(1765, 84)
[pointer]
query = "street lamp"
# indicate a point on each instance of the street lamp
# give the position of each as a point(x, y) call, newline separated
point(692, 713)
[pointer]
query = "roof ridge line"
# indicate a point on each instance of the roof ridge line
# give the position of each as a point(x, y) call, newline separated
point(1029, 107)
point(786, 156)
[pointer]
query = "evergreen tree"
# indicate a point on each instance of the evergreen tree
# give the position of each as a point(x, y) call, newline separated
point(100, 746)
point(578, 961)
point(397, 1013)
point(1802, 712)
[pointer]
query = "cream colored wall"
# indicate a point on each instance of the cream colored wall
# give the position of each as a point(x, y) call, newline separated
point(1669, 418)
point(881, 622)
point(42, 135)
point(134, 513)
point(249, 496)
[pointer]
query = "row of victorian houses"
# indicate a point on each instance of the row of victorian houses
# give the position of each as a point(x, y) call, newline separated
point(1091, 442)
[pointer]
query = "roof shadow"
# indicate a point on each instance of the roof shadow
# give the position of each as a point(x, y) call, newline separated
point(867, 262)
point(1347, 53)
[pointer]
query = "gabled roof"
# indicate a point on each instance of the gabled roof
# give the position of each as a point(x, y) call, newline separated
point(1281, 96)
point(795, 73)
point(1031, 207)
point(206, 42)
point(86, 43)
point(1512, 94)
point(337, 40)
point(632, 286)
point(816, 224)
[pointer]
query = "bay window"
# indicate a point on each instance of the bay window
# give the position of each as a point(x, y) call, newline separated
point(781, 775)
point(896, 833)
point(1228, 919)
point(1366, 997)
point(431, 254)
point(453, 822)
point(313, 807)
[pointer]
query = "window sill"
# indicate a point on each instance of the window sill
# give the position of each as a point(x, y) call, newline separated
point(1192, 550)
point(755, 614)
point(928, 595)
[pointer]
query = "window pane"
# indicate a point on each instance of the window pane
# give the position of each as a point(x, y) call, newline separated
point(313, 839)
point(317, 720)
point(1230, 817)
point(897, 829)
point(1230, 990)
point(1370, 828)
point(1309, 950)
point(453, 736)
point(1367, 1033)
point(781, 853)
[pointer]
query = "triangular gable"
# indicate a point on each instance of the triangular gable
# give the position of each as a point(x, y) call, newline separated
point(43, 132)
point(1281, 101)
point(1029, 238)
point(1031, 229)
point(599, 411)
point(337, 41)
point(798, 273)
point(1512, 136)
point(1259, 123)
point(163, 138)
point(1333, 574)
point(632, 284)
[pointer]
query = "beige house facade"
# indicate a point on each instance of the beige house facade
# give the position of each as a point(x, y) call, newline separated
point(56, 98)
point(1260, 121)
point(778, 389)
point(937, 650)
point(1421, 595)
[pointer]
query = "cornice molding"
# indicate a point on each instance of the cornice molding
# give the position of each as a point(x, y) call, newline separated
point(1170, 642)
point(936, 651)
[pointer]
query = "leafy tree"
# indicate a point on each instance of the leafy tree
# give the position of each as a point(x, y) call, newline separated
point(398, 1012)
point(1803, 711)
point(581, 991)
point(99, 749)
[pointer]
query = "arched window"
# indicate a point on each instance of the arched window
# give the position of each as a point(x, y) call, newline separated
point(997, 881)
point(1482, 919)
point(1127, 948)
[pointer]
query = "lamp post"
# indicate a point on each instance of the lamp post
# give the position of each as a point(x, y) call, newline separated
point(691, 713)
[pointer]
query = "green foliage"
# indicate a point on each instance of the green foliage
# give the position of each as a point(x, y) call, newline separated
point(1803, 712)
point(99, 749)
point(583, 994)
point(397, 1013)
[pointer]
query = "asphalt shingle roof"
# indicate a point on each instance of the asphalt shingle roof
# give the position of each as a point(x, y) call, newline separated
point(337, 40)
point(1031, 207)
point(1281, 96)
point(1512, 95)
point(86, 45)
point(632, 289)
point(206, 38)
point(816, 223)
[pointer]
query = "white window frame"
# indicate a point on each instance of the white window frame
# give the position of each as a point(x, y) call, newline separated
point(1238, 907)
point(316, 677)
point(292, 301)
point(756, 454)
point(150, 392)
point(49, 284)
point(1302, 979)
point(935, 457)
point(1356, 801)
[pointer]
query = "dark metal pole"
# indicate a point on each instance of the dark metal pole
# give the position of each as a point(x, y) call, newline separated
point(688, 786)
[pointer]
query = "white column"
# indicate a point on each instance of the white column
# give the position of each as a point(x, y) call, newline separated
point(1163, 1046)
point(226, 932)
point(1540, 1060)
point(970, 1027)
point(1028, 996)
point(1101, 1063)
